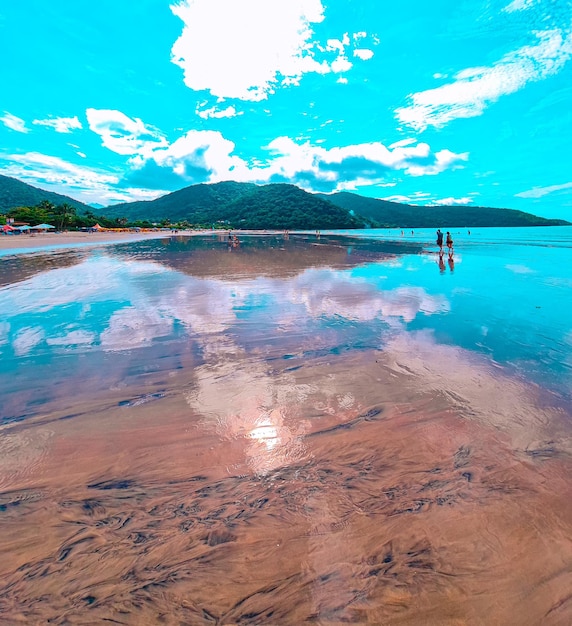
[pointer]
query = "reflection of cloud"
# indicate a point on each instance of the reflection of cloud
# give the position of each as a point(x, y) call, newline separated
point(338, 294)
point(73, 338)
point(477, 389)
point(27, 339)
point(520, 269)
point(4, 330)
point(204, 306)
point(133, 328)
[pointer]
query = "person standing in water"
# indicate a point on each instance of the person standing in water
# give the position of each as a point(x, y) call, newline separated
point(450, 243)
point(440, 240)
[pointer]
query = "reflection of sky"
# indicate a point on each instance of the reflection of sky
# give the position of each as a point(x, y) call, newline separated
point(509, 302)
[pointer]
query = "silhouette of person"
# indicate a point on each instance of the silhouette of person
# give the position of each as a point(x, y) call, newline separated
point(451, 263)
point(440, 239)
point(441, 263)
point(450, 243)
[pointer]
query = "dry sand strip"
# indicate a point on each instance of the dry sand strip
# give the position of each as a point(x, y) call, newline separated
point(72, 239)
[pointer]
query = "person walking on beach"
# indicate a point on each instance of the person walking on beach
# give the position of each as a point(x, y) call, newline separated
point(450, 243)
point(440, 240)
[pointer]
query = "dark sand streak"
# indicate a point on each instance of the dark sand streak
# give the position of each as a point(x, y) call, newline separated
point(395, 512)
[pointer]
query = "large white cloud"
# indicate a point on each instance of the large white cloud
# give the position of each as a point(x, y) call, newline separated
point(475, 88)
point(316, 168)
point(245, 49)
point(206, 156)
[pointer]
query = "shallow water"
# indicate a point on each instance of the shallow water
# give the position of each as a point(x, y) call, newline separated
point(292, 431)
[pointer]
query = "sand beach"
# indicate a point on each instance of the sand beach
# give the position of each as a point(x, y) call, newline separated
point(71, 239)
point(288, 432)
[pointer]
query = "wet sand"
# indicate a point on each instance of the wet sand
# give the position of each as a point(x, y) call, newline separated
point(344, 489)
point(71, 239)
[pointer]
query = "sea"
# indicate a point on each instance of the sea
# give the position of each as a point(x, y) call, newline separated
point(305, 427)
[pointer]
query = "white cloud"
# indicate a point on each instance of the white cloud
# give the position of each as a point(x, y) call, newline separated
point(519, 5)
point(402, 143)
point(55, 174)
point(50, 169)
point(198, 156)
point(451, 200)
point(157, 166)
point(320, 169)
point(207, 157)
point(61, 124)
point(14, 123)
point(539, 192)
point(363, 54)
point(216, 113)
point(247, 49)
point(122, 134)
point(475, 88)
point(239, 49)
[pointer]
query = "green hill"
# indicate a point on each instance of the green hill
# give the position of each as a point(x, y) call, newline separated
point(387, 214)
point(279, 205)
point(14, 193)
point(286, 206)
point(241, 205)
point(197, 204)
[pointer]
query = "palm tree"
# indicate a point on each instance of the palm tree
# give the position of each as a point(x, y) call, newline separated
point(64, 211)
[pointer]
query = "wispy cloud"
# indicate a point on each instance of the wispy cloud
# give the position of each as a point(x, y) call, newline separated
point(83, 183)
point(247, 49)
point(60, 124)
point(539, 192)
point(217, 113)
point(14, 123)
point(519, 5)
point(122, 134)
point(475, 88)
point(426, 199)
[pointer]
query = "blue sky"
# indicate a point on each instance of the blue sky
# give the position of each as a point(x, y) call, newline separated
point(450, 101)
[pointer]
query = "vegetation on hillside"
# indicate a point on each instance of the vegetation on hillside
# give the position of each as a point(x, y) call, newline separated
point(14, 193)
point(387, 214)
point(285, 206)
point(246, 205)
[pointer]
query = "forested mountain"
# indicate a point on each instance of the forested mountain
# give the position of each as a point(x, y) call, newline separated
point(14, 193)
point(395, 215)
point(241, 205)
point(273, 206)
point(200, 204)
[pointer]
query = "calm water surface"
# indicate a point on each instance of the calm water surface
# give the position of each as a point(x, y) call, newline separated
point(302, 430)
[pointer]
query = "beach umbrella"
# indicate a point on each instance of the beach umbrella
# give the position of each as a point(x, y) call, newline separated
point(7, 227)
point(43, 226)
point(23, 227)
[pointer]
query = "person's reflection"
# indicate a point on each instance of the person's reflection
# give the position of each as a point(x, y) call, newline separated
point(451, 263)
point(441, 263)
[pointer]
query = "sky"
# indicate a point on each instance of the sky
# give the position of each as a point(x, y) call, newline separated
point(463, 102)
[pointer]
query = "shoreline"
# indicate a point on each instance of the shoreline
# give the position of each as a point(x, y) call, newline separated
point(21, 244)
